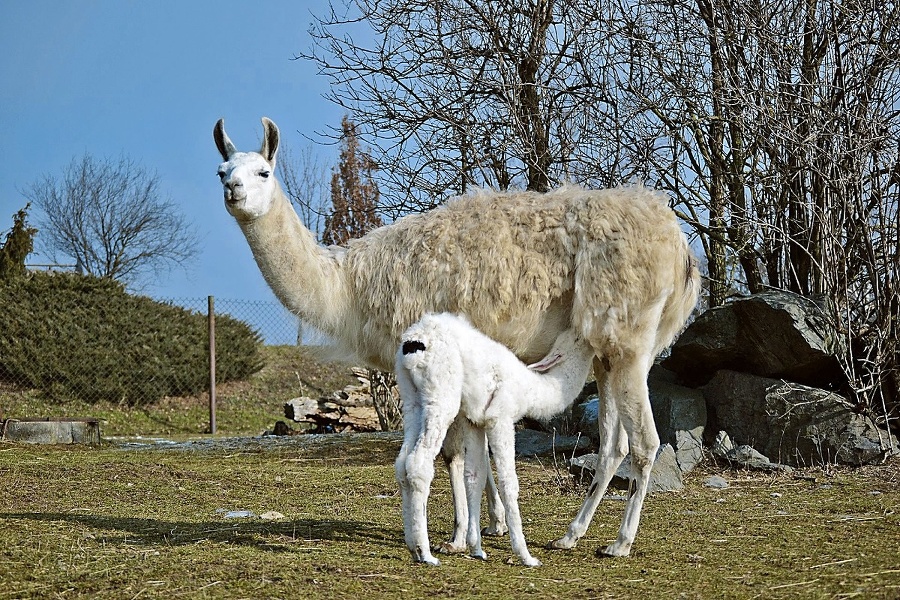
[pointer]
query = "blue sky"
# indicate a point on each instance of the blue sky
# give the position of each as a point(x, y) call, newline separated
point(149, 80)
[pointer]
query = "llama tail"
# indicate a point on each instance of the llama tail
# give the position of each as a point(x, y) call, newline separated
point(681, 302)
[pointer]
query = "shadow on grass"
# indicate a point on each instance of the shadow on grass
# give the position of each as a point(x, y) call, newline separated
point(276, 536)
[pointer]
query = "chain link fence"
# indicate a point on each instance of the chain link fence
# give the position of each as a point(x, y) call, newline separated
point(276, 325)
point(188, 364)
point(73, 362)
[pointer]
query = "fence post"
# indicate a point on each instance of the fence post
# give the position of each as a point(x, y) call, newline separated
point(211, 314)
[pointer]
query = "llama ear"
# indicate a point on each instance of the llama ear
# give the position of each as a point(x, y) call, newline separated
point(270, 140)
point(226, 148)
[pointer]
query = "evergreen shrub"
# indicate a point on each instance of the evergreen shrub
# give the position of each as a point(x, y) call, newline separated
point(81, 337)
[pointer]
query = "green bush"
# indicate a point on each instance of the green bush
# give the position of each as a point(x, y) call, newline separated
point(81, 337)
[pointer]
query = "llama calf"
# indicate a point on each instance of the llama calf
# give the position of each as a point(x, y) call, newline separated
point(450, 374)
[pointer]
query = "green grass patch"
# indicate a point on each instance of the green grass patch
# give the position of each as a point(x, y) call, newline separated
point(119, 522)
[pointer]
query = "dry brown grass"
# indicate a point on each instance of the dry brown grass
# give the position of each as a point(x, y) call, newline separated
point(145, 523)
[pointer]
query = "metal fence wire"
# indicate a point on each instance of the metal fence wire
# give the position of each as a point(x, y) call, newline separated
point(100, 374)
point(50, 382)
point(276, 325)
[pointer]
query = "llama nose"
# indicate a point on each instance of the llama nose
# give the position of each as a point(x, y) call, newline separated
point(233, 184)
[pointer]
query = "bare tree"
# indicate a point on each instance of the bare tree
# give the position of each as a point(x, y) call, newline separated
point(775, 126)
point(305, 178)
point(111, 217)
point(468, 93)
point(777, 129)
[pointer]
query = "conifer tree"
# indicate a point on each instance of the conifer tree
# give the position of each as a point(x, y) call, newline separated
point(354, 193)
point(18, 245)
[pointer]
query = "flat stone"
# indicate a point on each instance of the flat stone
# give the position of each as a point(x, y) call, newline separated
point(52, 431)
point(716, 482)
point(530, 442)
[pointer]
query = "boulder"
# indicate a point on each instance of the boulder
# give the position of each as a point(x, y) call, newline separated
point(664, 477)
point(772, 334)
point(680, 415)
point(793, 423)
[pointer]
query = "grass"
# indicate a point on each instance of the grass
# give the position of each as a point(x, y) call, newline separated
point(129, 521)
point(124, 522)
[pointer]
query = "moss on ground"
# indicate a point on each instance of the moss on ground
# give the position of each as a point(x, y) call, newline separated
point(126, 522)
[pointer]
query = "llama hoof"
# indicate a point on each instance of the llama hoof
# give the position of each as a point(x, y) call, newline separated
point(614, 550)
point(451, 548)
point(494, 531)
point(530, 561)
point(479, 554)
point(429, 560)
point(560, 544)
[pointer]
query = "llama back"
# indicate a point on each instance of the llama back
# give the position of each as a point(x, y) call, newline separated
point(522, 267)
point(635, 273)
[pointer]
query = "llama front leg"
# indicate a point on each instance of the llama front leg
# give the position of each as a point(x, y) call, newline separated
point(502, 440)
point(613, 448)
point(496, 513)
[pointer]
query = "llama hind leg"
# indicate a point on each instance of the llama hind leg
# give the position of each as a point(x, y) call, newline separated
point(418, 472)
point(475, 474)
point(502, 439)
point(630, 387)
point(412, 429)
point(454, 458)
point(613, 448)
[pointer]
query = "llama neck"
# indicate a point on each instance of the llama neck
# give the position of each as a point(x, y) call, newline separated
point(305, 277)
point(557, 388)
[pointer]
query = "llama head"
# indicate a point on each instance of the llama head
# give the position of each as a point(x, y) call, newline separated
point(248, 178)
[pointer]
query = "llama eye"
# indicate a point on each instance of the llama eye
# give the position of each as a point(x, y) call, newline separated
point(221, 174)
point(264, 174)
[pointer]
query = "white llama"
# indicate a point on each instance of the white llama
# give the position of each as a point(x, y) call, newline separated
point(446, 370)
point(521, 266)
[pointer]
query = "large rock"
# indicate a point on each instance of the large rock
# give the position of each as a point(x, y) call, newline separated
point(773, 334)
point(679, 412)
point(680, 415)
point(792, 423)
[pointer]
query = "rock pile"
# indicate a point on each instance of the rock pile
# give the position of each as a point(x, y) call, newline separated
point(350, 409)
point(752, 383)
point(767, 367)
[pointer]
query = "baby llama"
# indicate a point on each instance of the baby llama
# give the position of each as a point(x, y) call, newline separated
point(447, 370)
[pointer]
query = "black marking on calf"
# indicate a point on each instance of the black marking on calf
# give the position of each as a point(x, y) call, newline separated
point(413, 346)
